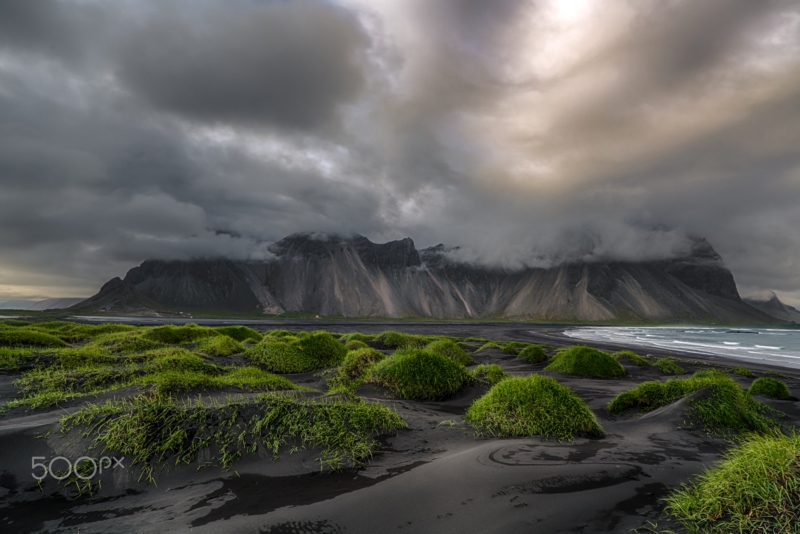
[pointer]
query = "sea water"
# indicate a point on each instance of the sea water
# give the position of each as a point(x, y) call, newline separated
point(773, 346)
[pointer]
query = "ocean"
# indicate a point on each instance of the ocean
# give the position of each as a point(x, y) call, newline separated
point(773, 346)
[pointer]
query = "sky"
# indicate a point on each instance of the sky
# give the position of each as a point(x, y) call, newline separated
point(523, 131)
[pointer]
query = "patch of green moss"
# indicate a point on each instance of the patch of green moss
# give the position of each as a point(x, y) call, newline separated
point(488, 345)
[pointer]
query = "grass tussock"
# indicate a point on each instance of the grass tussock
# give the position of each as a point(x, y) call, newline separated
point(533, 354)
point(391, 339)
point(532, 406)
point(174, 335)
point(219, 346)
point(129, 342)
point(355, 368)
point(28, 337)
point(632, 357)
point(421, 375)
point(315, 351)
point(355, 344)
point(514, 347)
point(449, 349)
point(754, 489)
point(726, 407)
point(239, 333)
point(14, 358)
point(587, 362)
point(153, 429)
point(669, 367)
point(488, 345)
point(769, 387)
point(490, 374)
point(742, 371)
point(355, 336)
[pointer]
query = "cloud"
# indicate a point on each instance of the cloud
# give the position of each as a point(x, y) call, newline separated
point(523, 131)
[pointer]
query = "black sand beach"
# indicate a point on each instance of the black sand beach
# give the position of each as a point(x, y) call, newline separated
point(435, 477)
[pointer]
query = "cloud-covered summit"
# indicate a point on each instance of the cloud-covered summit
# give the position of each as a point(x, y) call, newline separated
point(517, 129)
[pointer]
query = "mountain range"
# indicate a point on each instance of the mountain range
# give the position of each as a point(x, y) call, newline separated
point(351, 276)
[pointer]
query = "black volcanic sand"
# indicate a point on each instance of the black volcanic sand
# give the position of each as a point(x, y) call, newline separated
point(436, 477)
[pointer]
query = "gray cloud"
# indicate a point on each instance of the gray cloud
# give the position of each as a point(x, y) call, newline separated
point(288, 64)
point(524, 131)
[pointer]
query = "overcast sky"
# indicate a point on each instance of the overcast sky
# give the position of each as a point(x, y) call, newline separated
point(519, 129)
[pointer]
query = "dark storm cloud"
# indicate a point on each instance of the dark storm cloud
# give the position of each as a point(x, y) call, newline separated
point(289, 64)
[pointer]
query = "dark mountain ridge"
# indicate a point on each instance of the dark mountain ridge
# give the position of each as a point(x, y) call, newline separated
point(354, 277)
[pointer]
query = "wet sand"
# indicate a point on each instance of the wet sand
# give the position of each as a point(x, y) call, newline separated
point(435, 477)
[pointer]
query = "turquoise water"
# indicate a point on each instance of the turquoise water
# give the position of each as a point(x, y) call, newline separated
point(773, 346)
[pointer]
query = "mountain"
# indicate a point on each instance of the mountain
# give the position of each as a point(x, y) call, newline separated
point(54, 304)
point(16, 304)
point(354, 277)
point(39, 305)
point(771, 305)
point(118, 296)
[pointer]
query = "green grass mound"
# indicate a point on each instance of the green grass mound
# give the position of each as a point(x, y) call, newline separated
point(742, 371)
point(14, 322)
point(154, 430)
point(316, 351)
point(421, 375)
point(533, 354)
point(770, 388)
point(631, 356)
point(27, 337)
point(449, 349)
point(514, 347)
point(355, 368)
point(280, 333)
point(391, 339)
point(755, 488)
point(127, 342)
point(586, 362)
point(239, 333)
point(176, 381)
point(355, 344)
point(724, 409)
point(173, 335)
point(14, 358)
point(219, 346)
point(355, 336)
point(488, 345)
point(532, 406)
point(669, 367)
point(489, 374)
point(179, 359)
